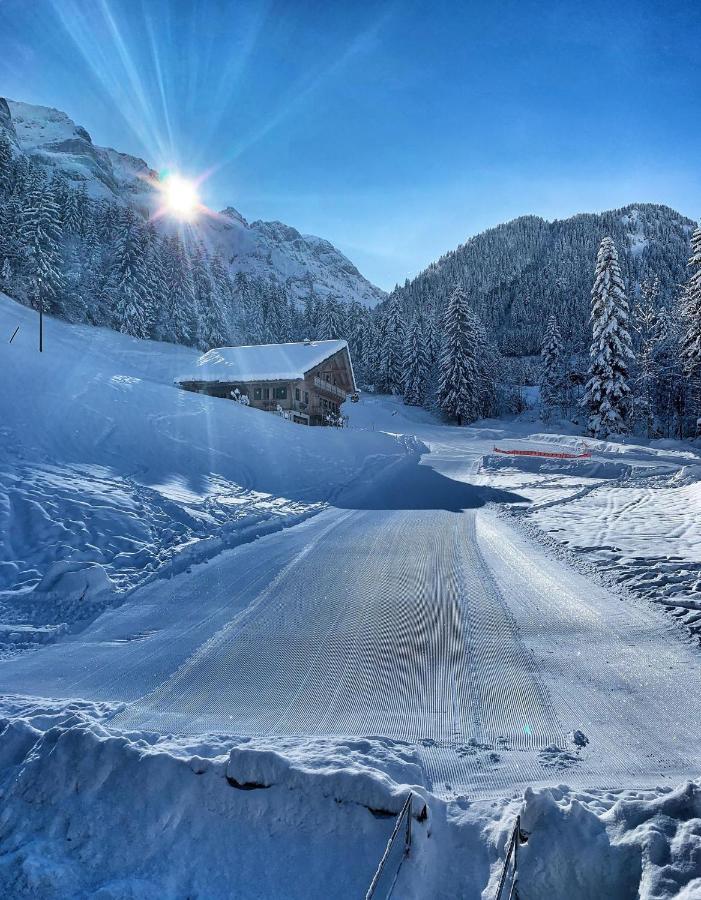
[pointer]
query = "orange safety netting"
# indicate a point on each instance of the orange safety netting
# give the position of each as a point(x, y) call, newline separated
point(584, 455)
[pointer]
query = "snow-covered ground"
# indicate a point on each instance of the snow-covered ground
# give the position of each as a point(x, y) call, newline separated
point(632, 511)
point(110, 476)
point(247, 713)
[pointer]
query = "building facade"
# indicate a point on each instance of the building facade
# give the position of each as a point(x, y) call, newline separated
point(308, 380)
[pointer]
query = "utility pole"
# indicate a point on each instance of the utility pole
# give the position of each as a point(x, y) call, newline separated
point(41, 316)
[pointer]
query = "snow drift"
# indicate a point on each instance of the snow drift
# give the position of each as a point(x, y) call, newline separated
point(90, 812)
point(110, 475)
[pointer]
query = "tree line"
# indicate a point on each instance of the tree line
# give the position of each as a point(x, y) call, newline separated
point(106, 263)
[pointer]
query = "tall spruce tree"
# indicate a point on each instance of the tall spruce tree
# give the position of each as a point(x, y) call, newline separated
point(607, 394)
point(6, 167)
point(215, 330)
point(391, 361)
point(551, 371)
point(41, 229)
point(416, 366)
point(131, 299)
point(458, 388)
point(331, 325)
point(691, 346)
point(647, 332)
point(180, 318)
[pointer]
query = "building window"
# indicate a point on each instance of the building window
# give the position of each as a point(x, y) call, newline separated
point(257, 393)
point(280, 393)
point(298, 394)
point(266, 393)
point(306, 397)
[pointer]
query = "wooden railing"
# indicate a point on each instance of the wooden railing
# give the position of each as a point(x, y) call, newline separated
point(329, 387)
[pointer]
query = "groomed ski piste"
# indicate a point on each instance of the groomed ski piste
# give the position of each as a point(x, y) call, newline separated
point(232, 645)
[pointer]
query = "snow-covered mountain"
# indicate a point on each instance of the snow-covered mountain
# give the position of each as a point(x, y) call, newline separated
point(518, 273)
point(304, 264)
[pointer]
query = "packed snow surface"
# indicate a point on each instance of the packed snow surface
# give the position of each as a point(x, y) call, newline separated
point(250, 725)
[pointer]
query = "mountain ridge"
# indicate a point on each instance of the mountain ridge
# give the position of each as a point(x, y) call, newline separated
point(306, 265)
point(519, 272)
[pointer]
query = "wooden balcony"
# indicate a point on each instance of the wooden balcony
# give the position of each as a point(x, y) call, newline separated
point(330, 388)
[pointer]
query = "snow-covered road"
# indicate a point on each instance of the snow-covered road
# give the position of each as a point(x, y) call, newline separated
point(413, 612)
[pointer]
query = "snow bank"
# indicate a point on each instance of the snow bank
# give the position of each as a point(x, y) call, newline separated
point(110, 475)
point(88, 811)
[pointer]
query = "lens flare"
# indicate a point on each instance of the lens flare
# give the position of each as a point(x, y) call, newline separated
point(180, 197)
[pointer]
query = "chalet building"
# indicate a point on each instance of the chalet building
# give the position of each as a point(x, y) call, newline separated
point(308, 380)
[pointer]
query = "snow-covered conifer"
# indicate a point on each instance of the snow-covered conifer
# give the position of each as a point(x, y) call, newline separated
point(331, 325)
point(458, 376)
point(130, 293)
point(606, 395)
point(691, 346)
point(647, 332)
point(416, 366)
point(551, 372)
point(391, 361)
point(41, 229)
point(179, 305)
point(6, 167)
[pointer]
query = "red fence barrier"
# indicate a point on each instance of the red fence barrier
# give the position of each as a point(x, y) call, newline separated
point(585, 455)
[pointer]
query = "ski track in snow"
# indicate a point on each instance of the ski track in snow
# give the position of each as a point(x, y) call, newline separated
point(422, 626)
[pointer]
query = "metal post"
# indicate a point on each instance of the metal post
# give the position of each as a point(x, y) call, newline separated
point(407, 839)
point(41, 315)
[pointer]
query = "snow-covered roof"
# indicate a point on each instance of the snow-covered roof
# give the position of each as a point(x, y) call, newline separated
point(262, 362)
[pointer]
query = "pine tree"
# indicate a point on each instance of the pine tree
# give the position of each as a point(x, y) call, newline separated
point(416, 366)
point(180, 324)
point(42, 234)
point(130, 294)
point(551, 373)
point(691, 346)
point(432, 337)
point(458, 377)
point(489, 370)
point(215, 329)
point(606, 395)
point(6, 167)
point(647, 331)
point(331, 324)
point(391, 375)
point(276, 323)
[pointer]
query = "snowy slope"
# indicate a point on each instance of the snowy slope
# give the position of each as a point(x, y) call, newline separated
point(54, 139)
point(268, 249)
point(249, 728)
point(274, 250)
point(110, 475)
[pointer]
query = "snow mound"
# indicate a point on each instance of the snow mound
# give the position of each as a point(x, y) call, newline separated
point(89, 811)
point(343, 770)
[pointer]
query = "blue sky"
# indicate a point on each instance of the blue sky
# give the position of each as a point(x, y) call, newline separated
point(394, 129)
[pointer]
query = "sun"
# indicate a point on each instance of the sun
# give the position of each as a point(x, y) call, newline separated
point(180, 196)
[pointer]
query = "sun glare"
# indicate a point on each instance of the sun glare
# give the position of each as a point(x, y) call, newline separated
point(180, 196)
